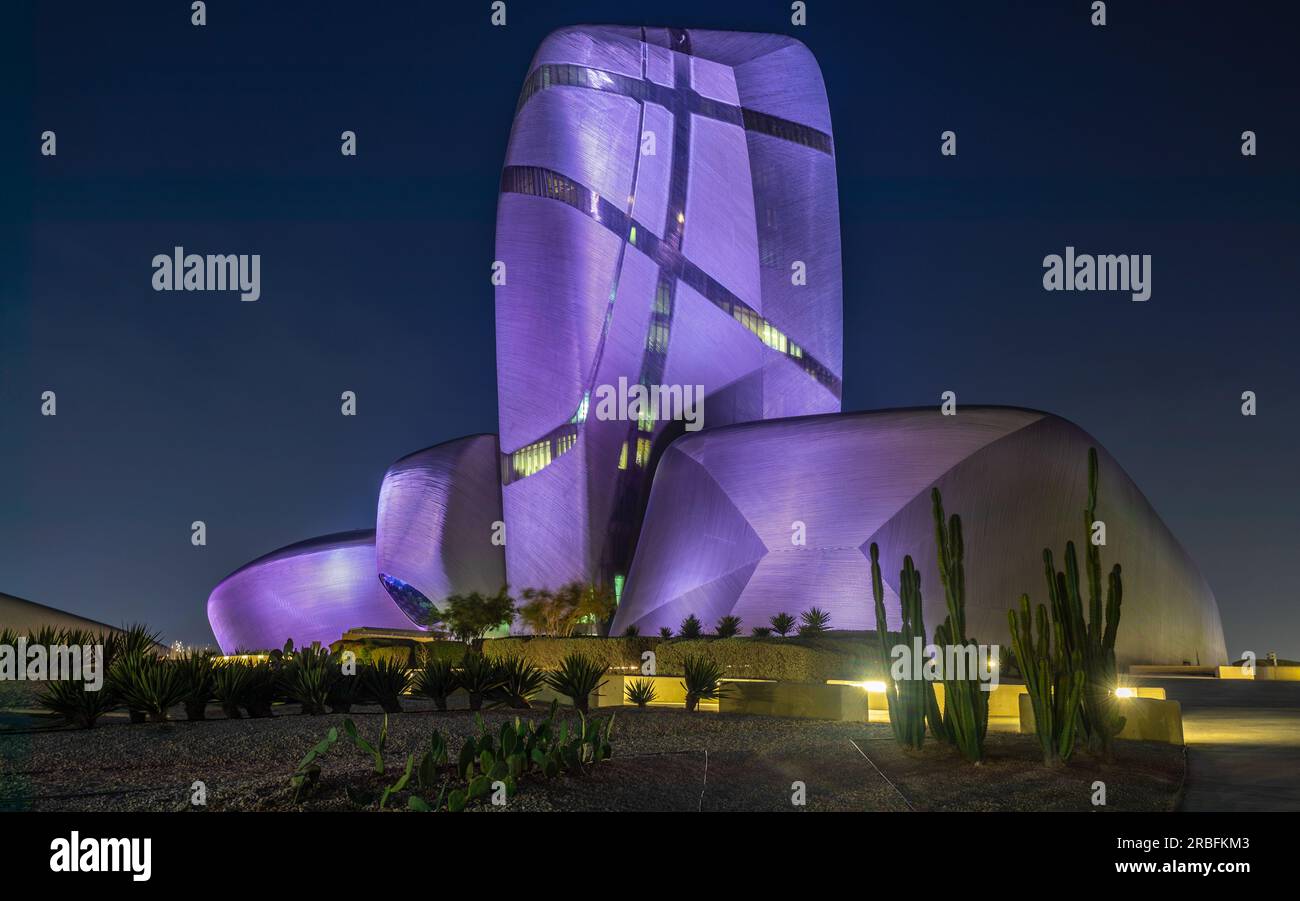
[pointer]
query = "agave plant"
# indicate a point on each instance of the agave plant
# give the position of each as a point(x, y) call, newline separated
point(383, 682)
point(230, 685)
point(479, 677)
point(641, 692)
point(761, 632)
point(782, 623)
point(70, 699)
point(520, 680)
point(436, 679)
point(263, 686)
point(665, 632)
point(308, 677)
point(344, 692)
point(728, 626)
point(149, 684)
point(701, 678)
point(195, 673)
point(691, 627)
point(577, 677)
point(631, 631)
point(814, 621)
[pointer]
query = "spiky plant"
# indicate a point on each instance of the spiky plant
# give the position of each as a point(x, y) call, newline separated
point(344, 693)
point(782, 623)
point(308, 678)
point(479, 677)
point(665, 632)
point(631, 631)
point(761, 632)
point(520, 680)
point(691, 627)
point(641, 692)
point(814, 621)
point(74, 702)
point(577, 677)
point(195, 673)
point(263, 688)
point(383, 682)
point(230, 685)
point(436, 679)
point(9, 636)
point(728, 626)
point(701, 678)
point(149, 684)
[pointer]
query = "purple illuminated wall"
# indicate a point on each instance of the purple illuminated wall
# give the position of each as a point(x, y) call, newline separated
point(719, 532)
point(435, 527)
point(671, 264)
point(311, 591)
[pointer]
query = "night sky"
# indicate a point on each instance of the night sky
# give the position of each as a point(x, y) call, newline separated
point(175, 407)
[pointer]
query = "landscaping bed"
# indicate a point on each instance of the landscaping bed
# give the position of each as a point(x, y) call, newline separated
point(659, 763)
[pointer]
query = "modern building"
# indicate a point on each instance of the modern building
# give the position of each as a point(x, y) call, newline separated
point(311, 591)
point(754, 520)
point(668, 217)
point(439, 529)
point(28, 617)
point(668, 220)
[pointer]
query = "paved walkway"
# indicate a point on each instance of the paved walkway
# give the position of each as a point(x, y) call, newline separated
point(1243, 743)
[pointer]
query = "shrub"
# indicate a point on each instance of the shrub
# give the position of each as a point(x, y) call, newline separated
point(814, 621)
point(520, 680)
point(700, 678)
point(665, 632)
point(728, 626)
point(263, 685)
point(479, 676)
point(577, 677)
point(436, 680)
point(384, 683)
point(631, 631)
point(619, 654)
point(690, 627)
point(195, 674)
point(641, 692)
point(344, 693)
point(149, 684)
point(782, 623)
point(230, 684)
point(761, 632)
point(77, 705)
point(308, 678)
point(802, 659)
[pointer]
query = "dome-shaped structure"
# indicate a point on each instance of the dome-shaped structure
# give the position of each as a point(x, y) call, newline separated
point(314, 590)
point(729, 506)
point(437, 528)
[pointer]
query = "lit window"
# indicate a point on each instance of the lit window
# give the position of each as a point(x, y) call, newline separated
point(622, 457)
point(642, 451)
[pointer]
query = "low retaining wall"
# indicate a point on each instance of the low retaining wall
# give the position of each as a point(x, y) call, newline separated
point(1145, 719)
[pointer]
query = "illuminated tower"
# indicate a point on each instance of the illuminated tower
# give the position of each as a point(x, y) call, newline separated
point(668, 215)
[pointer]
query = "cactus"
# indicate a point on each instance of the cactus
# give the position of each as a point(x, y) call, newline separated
point(909, 700)
point(1054, 679)
point(1093, 639)
point(966, 704)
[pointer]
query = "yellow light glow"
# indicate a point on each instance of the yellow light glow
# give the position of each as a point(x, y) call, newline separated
point(681, 217)
point(877, 687)
point(1125, 693)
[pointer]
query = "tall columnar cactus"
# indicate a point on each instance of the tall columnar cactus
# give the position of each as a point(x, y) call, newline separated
point(965, 704)
point(909, 699)
point(1094, 638)
point(1053, 677)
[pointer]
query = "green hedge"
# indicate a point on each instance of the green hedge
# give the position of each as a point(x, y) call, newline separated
point(810, 659)
point(372, 650)
point(619, 654)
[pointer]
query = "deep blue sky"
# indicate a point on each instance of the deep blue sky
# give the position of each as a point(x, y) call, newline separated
point(184, 406)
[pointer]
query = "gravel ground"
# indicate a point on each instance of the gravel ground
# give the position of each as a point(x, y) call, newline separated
point(664, 760)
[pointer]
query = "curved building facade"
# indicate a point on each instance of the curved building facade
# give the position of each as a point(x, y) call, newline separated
point(437, 532)
point(311, 591)
point(668, 218)
point(728, 507)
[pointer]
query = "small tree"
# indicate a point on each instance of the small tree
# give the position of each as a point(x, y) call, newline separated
point(814, 621)
point(560, 612)
point(728, 626)
point(665, 632)
point(471, 616)
point(691, 627)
